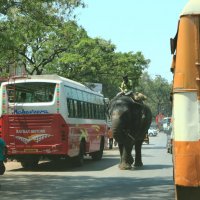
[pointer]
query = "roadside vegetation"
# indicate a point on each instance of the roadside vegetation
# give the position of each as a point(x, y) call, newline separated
point(43, 37)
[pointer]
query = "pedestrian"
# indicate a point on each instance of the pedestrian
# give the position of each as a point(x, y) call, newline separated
point(2, 156)
point(110, 137)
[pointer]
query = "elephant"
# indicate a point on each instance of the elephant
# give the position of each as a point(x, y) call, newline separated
point(130, 123)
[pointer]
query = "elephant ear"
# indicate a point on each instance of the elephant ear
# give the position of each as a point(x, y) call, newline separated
point(148, 114)
point(137, 108)
point(136, 111)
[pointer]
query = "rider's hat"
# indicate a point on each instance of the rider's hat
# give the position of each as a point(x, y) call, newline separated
point(125, 76)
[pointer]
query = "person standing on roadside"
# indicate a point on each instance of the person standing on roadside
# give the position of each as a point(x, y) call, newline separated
point(2, 156)
point(110, 137)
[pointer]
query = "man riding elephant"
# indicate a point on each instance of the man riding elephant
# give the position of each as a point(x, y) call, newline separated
point(126, 85)
point(127, 89)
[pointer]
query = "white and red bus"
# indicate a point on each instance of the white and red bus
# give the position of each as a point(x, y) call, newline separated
point(51, 116)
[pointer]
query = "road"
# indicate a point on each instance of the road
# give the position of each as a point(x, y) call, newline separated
point(96, 180)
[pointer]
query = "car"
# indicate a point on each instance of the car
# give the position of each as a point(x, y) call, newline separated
point(166, 123)
point(152, 131)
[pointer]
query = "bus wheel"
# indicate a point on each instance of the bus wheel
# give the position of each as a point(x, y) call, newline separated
point(30, 163)
point(79, 160)
point(98, 155)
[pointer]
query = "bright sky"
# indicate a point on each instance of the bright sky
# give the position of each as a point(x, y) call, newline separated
point(136, 25)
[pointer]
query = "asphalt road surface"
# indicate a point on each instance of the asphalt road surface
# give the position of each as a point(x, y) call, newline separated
point(96, 180)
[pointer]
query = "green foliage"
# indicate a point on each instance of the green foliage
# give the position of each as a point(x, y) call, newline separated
point(158, 94)
point(95, 60)
point(43, 37)
point(30, 28)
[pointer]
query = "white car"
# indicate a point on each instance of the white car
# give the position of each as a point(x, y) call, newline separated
point(152, 132)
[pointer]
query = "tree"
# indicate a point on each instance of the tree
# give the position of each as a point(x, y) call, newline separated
point(50, 41)
point(28, 29)
point(158, 93)
point(95, 60)
point(88, 60)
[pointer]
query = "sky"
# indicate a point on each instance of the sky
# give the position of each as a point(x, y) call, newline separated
point(136, 25)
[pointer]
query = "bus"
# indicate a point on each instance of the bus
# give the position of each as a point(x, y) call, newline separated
point(185, 47)
point(48, 116)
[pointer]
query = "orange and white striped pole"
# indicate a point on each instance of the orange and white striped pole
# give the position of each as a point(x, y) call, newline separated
point(186, 103)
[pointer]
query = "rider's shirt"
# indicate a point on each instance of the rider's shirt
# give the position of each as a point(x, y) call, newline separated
point(125, 87)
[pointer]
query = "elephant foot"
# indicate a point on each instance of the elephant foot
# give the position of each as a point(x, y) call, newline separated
point(138, 164)
point(125, 166)
point(130, 160)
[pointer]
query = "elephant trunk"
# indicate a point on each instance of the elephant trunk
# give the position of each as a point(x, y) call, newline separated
point(117, 130)
point(121, 125)
point(120, 133)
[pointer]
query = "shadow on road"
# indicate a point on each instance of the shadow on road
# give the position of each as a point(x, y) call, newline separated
point(62, 165)
point(107, 161)
point(89, 165)
point(153, 167)
point(54, 187)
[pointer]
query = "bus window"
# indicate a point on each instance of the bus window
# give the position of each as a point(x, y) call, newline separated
point(75, 108)
point(92, 110)
point(32, 92)
point(86, 110)
point(22, 97)
point(69, 106)
point(80, 111)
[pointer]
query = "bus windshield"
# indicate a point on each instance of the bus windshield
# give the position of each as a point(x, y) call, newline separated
point(31, 92)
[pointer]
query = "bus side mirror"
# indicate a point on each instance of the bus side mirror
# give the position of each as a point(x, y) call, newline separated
point(173, 65)
point(172, 45)
point(173, 42)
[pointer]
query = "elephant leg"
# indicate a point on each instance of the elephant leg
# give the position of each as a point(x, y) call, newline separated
point(138, 154)
point(126, 157)
point(129, 157)
point(121, 146)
